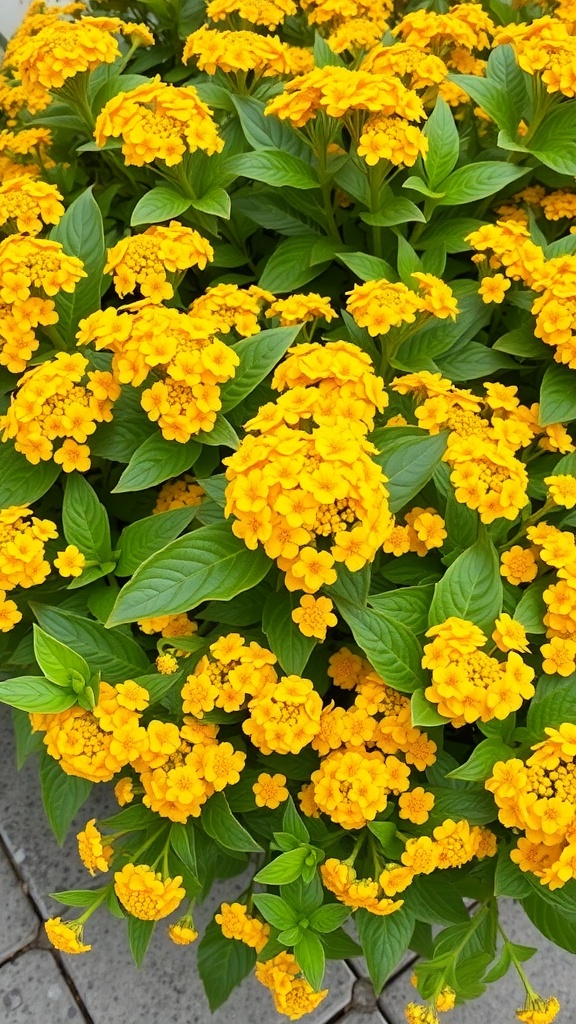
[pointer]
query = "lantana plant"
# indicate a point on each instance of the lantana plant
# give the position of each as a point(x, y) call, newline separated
point(288, 477)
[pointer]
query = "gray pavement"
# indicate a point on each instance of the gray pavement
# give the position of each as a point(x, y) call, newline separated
point(40, 986)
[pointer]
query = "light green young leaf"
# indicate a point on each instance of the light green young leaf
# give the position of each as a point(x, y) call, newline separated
point(162, 203)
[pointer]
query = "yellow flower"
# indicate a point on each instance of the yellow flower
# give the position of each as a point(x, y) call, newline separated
point(417, 1014)
point(510, 635)
point(314, 616)
point(70, 562)
point(446, 1000)
point(415, 805)
point(145, 894)
point(538, 1010)
point(73, 456)
point(183, 932)
point(94, 855)
point(562, 489)
point(519, 565)
point(132, 696)
point(166, 664)
point(270, 790)
point(65, 935)
point(493, 289)
point(223, 764)
point(124, 791)
point(559, 656)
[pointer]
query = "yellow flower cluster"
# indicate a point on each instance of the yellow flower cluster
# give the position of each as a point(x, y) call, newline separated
point(96, 744)
point(66, 935)
point(421, 70)
point(352, 785)
point(29, 204)
point(157, 121)
point(269, 13)
point(23, 151)
point(293, 995)
point(228, 675)
point(485, 435)
point(557, 549)
point(338, 91)
point(381, 305)
point(49, 50)
point(27, 264)
point(422, 531)
point(544, 47)
point(237, 923)
point(301, 309)
point(452, 844)
point(145, 894)
point(538, 796)
point(231, 307)
point(92, 850)
point(507, 246)
point(168, 625)
point(469, 685)
point(146, 259)
point(58, 399)
point(181, 493)
point(241, 52)
point(555, 307)
point(366, 893)
point(284, 716)
point(22, 556)
point(153, 339)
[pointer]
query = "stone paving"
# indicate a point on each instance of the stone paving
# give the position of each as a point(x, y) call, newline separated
point(39, 986)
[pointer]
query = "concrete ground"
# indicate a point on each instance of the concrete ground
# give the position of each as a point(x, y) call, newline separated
point(40, 986)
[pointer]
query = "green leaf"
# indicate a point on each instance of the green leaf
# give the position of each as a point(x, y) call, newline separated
point(509, 880)
point(324, 55)
point(276, 911)
point(309, 953)
point(502, 94)
point(471, 587)
point(408, 605)
point(553, 703)
point(394, 210)
point(290, 265)
point(558, 927)
point(284, 869)
point(119, 439)
point(293, 823)
point(286, 641)
point(557, 395)
point(338, 945)
point(62, 795)
point(432, 898)
point(215, 201)
point(479, 765)
point(443, 143)
point(139, 935)
point(409, 465)
point(116, 654)
point(162, 203)
point(34, 693)
point(258, 356)
point(531, 608)
point(554, 141)
point(329, 917)
point(219, 823)
point(56, 660)
point(384, 941)
point(143, 538)
point(274, 168)
point(154, 461)
point(264, 132)
point(222, 964)
point(85, 520)
point(208, 564)
point(75, 897)
point(385, 832)
point(26, 740)
point(477, 181)
point(21, 483)
point(367, 268)
point(389, 646)
point(183, 843)
point(81, 233)
point(473, 803)
point(423, 712)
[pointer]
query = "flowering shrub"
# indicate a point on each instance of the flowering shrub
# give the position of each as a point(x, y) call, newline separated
point(302, 562)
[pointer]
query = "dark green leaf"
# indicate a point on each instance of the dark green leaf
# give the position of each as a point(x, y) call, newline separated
point(410, 465)
point(443, 143)
point(208, 564)
point(274, 168)
point(557, 395)
point(139, 935)
point(258, 356)
point(62, 795)
point(21, 483)
point(471, 587)
point(81, 233)
point(117, 655)
point(162, 203)
point(390, 647)
point(222, 964)
point(85, 520)
point(156, 460)
point(384, 941)
point(219, 822)
point(286, 641)
point(143, 538)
